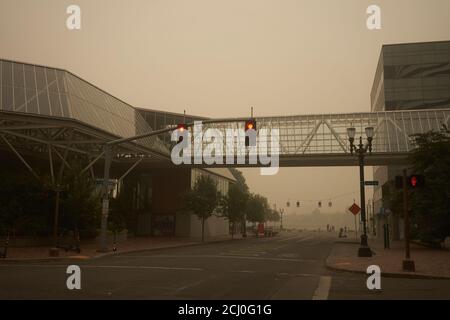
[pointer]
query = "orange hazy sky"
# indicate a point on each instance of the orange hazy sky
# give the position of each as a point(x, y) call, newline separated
point(217, 58)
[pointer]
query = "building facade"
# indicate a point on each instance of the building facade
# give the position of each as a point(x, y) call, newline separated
point(50, 117)
point(409, 76)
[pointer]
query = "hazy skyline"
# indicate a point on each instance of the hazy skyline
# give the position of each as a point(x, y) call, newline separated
point(218, 58)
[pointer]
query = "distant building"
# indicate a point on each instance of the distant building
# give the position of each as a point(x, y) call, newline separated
point(409, 76)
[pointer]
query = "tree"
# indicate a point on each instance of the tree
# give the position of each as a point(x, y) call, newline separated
point(257, 208)
point(242, 185)
point(233, 205)
point(430, 205)
point(273, 215)
point(202, 200)
point(240, 180)
point(81, 208)
point(24, 204)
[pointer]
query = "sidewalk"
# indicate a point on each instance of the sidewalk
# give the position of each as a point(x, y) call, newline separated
point(35, 254)
point(430, 263)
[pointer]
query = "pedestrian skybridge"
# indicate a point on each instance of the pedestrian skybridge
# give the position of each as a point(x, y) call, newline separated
point(45, 111)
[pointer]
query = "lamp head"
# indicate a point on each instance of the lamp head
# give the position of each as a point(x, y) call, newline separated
point(351, 132)
point(369, 132)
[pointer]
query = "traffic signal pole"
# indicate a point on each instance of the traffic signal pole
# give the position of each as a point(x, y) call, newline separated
point(408, 264)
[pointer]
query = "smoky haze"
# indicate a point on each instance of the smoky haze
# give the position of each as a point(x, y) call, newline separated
point(218, 58)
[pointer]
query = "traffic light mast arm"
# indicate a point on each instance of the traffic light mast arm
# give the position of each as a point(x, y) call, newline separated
point(169, 129)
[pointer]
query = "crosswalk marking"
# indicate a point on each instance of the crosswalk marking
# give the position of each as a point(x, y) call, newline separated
point(323, 289)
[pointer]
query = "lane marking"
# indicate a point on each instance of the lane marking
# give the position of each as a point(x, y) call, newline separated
point(104, 267)
point(303, 236)
point(145, 267)
point(304, 239)
point(194, 284)
point(239, 254)
point(221, 256)
point(285, 274)
point(323, 289)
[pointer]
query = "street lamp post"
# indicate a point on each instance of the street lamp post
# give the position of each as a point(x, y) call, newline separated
point(361, 150)
point(281, 218)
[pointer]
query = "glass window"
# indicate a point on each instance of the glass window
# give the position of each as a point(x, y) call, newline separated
point(51, 80)
point(64, 105)
point(60, 79)
point(55, 105)
point(30, 81)
point(44, 107)
point(40, 78)
point(32, 105)
point(7, 97)
point(7, 74)
point(19, 99)
point(18, 75)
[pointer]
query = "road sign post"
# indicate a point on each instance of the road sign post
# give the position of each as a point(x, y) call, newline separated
point(355, 209)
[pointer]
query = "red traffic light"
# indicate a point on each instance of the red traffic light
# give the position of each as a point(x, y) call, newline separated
point(250, 124)
point(416, 181)
point(181, 127)
point(413, 181)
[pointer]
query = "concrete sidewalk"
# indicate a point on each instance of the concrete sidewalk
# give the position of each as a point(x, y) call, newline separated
point(137, 244)
point(430, 263)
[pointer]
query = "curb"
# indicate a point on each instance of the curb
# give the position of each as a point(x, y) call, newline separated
point(192, 244)
point(404, 275)
point(346, 242)
point(389, 274)
point(111, 253)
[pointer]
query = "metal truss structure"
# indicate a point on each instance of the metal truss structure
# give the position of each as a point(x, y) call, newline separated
point(310, 140)
point(45, 112)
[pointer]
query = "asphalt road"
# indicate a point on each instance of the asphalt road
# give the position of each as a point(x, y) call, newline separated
point(289, 266)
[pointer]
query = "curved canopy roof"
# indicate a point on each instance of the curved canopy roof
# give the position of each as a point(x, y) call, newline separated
point(44, 91)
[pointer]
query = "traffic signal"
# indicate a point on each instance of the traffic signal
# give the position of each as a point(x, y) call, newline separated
point(416, 181)
point(250, 125)
point(181, 127)
point(298, 204)
point(320, 204)
point(413, 181)
point(330, 204)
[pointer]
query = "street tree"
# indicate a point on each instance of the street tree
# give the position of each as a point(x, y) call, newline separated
point(430, 209)
point(233, 205)
point(273, 215)
point(257, 208)
point(202, 200)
